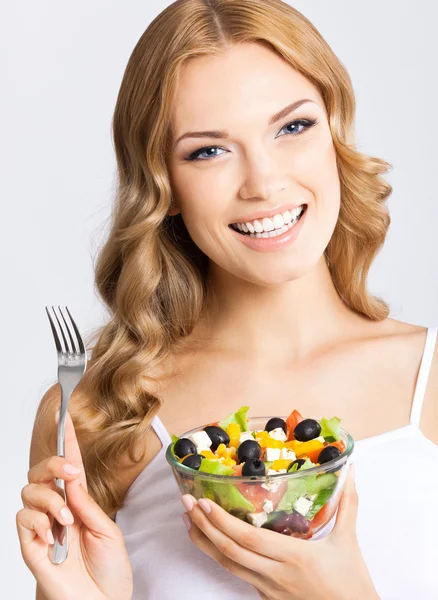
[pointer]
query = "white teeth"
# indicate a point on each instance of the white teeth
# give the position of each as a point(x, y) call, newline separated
point(268, 225)
point(258, 226)
point(278, 221)
point(286, 217)
point(273, 225)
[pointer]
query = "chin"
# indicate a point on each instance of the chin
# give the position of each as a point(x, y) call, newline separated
point(274, 275)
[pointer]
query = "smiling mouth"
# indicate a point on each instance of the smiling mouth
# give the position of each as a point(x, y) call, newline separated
point(270, 227)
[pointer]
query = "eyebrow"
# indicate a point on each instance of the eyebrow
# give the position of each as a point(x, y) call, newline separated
point(224, 134)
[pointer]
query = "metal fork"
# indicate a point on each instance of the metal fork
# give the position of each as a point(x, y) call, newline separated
point(72, 362)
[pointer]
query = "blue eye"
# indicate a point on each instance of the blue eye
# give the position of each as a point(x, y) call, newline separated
point(304, 124)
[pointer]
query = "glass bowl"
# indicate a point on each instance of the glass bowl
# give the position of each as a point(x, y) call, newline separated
point(279, 502)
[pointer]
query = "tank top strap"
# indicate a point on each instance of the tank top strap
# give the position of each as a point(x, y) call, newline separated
point(161, 431)
point(423, 376)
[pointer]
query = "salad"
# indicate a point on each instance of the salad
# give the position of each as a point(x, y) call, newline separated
point(297, 506)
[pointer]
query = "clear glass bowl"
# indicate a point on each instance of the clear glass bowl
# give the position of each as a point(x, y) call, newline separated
point(245, 497)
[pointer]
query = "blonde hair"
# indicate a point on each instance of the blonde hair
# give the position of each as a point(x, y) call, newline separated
point(149, 273)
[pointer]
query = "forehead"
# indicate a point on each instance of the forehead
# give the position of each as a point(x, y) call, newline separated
point(246, 80)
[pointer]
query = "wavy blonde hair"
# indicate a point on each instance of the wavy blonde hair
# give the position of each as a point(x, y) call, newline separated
point(149, 273)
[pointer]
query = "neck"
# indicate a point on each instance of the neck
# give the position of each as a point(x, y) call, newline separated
point(296, 317)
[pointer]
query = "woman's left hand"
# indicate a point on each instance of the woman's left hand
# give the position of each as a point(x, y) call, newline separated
point(282, 567)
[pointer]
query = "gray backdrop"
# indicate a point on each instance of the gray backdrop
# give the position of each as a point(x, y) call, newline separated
point(61, 66)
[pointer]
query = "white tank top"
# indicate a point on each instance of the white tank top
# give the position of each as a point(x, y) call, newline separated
point(397, 525)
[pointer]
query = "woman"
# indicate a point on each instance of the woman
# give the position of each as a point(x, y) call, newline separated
point(206, 315)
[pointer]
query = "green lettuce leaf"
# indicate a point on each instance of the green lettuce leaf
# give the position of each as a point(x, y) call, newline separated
point(319, 501)
point(239, 417)
point(330, 429)
point(223, 493)
point(174, 440)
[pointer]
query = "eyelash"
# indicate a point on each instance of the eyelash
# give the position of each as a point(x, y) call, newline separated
point(307, 123)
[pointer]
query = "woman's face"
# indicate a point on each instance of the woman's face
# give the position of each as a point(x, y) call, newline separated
point(253, 169)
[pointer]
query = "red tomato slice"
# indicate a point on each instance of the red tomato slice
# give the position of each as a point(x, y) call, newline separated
point(291, 422)
point(322, 517)
point(257, 495)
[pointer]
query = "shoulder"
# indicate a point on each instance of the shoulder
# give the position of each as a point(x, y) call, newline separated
point(416, 337)
point(429, 413)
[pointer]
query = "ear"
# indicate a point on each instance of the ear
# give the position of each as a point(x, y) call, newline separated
point(174, 210)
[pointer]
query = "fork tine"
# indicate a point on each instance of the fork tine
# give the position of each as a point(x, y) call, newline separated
point(67, 348)
point(55, 333)
point(73, 342)
point(78, 335)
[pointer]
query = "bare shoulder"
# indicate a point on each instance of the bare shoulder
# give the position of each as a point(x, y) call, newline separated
point(416, 335)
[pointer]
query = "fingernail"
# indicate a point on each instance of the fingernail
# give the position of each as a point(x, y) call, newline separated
point(187, 501)
point(71, 469)
point(50, 537)
point(66, 515)
point(205, 506)
point(187, 521)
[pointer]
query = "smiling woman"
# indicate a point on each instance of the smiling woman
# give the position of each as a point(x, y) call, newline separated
point(235, 272)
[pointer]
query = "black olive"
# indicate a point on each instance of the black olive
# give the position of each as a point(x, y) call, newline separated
point(286, 523)
point(328, 453)
point(193, 461)
point(183, 447)
point(217, 436)
point(299, 461)
point(306, 430)
point(253, 466)
point(275, 423)
point(248, 449)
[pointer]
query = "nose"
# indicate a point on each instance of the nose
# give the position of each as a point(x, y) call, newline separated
point(264, 178)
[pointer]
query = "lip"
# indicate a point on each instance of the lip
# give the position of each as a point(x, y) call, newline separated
point(261, 214)
point(274, 243)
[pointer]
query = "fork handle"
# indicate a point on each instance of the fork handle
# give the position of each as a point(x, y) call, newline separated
point(58, 552)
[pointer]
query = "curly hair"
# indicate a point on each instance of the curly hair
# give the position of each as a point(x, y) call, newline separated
point(149, 273)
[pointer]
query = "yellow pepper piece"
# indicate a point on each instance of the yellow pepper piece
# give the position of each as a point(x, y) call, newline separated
point(232, 452)
point(281, 463)
point(233, 430)
point(271, 443)
point(292, 444)
point(229, 462)
point(208, 454)
point(221, 450)
point(306, 447)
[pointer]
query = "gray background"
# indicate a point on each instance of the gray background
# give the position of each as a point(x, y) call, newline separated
point(61, 67)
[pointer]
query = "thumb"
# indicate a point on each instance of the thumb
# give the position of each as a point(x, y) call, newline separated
point(88, 511)
point(348, 506)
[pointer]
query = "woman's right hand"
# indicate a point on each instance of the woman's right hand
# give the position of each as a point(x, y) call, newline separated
point(97, 566)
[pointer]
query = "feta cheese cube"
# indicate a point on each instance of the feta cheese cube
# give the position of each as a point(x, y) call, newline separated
point(272, 454)
point(271, 487)
point(288, 454)
point(245, 435)
point(268, 506)
point(257, 519)
point(320, 439)
point(278, 434)
point(302, 505)
point(201, 440)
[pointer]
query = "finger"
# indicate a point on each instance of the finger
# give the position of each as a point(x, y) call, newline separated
point(346, 517)
point(50, 468)
point(262, 541)
point(203, 543)
point(228, 546)
point(72, 450)
point(33, 528)
point(40, 498)
point(89, 512)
